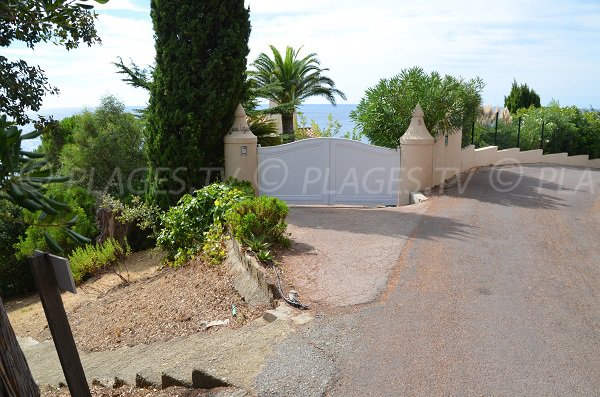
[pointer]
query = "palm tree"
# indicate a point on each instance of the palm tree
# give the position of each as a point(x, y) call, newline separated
point(289, 81)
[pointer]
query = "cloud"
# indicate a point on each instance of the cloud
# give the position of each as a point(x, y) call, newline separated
point(541, 43)
point(122, 5)
point(85, 74)
point(553, 46)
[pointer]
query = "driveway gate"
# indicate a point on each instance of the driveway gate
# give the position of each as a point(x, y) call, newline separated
point(329, 171)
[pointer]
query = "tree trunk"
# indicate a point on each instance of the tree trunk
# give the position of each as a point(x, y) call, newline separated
point(287, 124)
point(15, 377)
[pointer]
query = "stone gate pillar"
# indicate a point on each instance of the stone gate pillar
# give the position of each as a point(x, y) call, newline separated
point(416, 159)
point(241, 150)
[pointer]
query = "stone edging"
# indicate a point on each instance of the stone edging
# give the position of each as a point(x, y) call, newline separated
point(251, 281)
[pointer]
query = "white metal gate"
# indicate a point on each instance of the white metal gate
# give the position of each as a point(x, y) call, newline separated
point(329, 171)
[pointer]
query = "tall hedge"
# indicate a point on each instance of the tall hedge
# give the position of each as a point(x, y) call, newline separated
point(201, 50)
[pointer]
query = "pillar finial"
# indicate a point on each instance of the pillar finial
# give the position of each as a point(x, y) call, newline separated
point(417, 132)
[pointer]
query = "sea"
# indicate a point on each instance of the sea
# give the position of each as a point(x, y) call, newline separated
point(317, 112)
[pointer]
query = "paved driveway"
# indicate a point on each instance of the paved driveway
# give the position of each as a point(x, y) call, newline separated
point(344, 256)
point(494, 294)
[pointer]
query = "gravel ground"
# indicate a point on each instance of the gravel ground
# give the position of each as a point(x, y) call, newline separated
point(163, 305)
point(305, 363)
point(174, 303)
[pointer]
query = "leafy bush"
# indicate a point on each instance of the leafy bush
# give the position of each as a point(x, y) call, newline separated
point(82, 210)
point(90, 259)
point(313, 130)
point(142, 219)
point(449, 103)
point(15, 275)
point(55, 136)
point(213, 248)
point(256, 243)
point(265, 256)
point(185, 225)
point(566, 129)
point(260, 216)
point(104, 150)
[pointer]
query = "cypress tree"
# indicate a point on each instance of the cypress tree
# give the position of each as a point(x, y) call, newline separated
point(521, 96)
point(199, 79)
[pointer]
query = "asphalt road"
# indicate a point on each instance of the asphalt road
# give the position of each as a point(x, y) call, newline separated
point(497, 293)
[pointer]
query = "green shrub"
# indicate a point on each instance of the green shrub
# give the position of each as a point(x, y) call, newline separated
point(90, 259)
point(385, 112)
point(15, 275)
point(264, 256)
point(185, 225)
point(104, 150)
point(142, 219)
point(256, 243)
point(213, 249)
point(260, 216)
point(81, 205)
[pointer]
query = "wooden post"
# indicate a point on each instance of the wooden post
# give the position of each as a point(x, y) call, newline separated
point(58, 323)
point(15, 376)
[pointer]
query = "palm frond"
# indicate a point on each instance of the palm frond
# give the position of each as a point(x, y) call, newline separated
point(289, 79)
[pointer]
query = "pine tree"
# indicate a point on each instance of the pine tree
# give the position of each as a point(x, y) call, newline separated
point(199, 79)
point(521, 96)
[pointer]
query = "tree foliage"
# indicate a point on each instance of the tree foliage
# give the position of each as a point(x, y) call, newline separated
point(15, 275)
point(198, 80)
point(135, 75)
point(521, 96)
point(565, 129)
point(289, 80)
point(449, 103)
point(62, 22)
point(102, 149)
point(23, 175)
point(81, 209)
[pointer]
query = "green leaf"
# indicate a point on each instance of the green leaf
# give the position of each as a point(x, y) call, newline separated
point(49, 179)
point(15, 191)
point(78, 238)
point(30, 205)
point(57, 204)
point(31, 135)
point(52, 243)
point(32, 155)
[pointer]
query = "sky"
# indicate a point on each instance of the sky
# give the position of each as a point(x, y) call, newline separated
point(553, 46)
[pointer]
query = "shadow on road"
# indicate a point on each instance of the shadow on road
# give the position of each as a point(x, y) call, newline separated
point(389, 222)
point(530, 186)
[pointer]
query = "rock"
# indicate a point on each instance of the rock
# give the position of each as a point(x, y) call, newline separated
point(284, 312)
point(416, 198)
point(215, 323)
